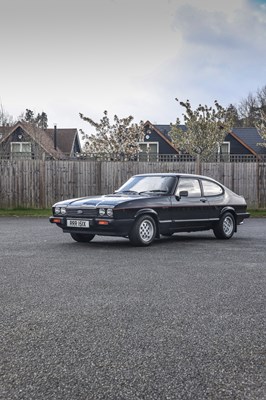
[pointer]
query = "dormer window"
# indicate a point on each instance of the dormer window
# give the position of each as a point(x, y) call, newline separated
point(148, 151)
point(21, 150)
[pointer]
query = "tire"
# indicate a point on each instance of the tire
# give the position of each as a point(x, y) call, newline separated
point(82, 237)
point(225, 227)
point(143, 232)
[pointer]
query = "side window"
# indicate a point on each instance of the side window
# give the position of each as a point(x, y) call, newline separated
point(211, 188)
point(189, 184)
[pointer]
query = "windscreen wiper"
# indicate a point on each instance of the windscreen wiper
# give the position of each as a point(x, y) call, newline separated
point(127, 191)
point(154, 191)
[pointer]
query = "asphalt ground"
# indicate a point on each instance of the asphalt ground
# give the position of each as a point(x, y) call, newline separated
point(181, 319)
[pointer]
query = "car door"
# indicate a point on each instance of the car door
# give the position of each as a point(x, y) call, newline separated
point(189, 208)
point(215, 195)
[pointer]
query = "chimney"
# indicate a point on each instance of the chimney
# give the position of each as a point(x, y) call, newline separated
point(55, 137)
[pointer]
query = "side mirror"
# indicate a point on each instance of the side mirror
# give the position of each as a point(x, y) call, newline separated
point(182, 193)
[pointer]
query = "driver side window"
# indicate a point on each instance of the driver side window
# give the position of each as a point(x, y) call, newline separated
point(189, 184)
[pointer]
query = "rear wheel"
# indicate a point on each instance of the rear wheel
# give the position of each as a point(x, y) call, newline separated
point(143, 232)
point(225, 227)
point(82, 237)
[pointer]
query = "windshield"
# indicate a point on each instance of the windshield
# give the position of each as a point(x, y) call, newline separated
point(143, 184)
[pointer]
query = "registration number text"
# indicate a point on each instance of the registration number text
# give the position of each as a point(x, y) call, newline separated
point(78, 223)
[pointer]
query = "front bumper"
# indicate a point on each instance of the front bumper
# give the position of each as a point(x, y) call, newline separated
point(97, 226)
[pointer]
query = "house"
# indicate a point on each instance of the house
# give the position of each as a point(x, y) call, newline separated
point(26, 140)
point(245, 141)
point(240, 141)
point(67, 140)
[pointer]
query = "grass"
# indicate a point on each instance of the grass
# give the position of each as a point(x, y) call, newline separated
point(37, 212)
point(259, 213)
point(25, 212)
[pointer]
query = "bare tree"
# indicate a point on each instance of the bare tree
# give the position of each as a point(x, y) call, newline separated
point(261, 127)
point(5, 118)
point(261, 98)
point(249, 109)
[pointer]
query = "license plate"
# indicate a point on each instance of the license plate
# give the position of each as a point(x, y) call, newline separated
point(78, 223)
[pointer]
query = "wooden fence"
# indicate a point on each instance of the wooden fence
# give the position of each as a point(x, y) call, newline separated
point(39, 184)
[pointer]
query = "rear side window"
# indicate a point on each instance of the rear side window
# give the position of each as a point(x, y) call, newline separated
point(211, 188)
point(189, 184)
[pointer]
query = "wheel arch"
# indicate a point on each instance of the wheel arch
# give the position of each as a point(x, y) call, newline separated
point(232, 211)
point(151, 212)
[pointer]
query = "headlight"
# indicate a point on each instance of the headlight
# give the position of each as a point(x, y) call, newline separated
point(109, 212)
point(60, 210)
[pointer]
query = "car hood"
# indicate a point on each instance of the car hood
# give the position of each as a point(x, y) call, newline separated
point(100, 201)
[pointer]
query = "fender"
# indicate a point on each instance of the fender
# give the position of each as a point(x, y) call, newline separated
point(228, 208)
point(146, 211)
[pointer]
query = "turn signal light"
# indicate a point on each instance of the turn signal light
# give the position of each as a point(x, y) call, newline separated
point(103, 222)
point(56, 220)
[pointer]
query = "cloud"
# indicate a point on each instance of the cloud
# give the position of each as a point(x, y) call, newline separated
point(221, 56)
point(129, 57)
point(229, 28)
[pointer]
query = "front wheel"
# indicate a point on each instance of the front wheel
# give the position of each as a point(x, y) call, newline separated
point(143, 232)
point(225, 227)
point(82, 237)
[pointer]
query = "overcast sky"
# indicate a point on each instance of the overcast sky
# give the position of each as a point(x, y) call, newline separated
point(129, 57)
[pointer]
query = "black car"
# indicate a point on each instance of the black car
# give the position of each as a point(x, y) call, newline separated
point(150, 205)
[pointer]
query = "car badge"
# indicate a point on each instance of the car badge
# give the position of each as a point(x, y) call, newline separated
point(79, 212)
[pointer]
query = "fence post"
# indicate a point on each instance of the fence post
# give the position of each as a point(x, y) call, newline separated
point(99, 177)
point(198, 165)
point(42, 185)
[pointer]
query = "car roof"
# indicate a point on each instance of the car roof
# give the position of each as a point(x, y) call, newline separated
point(176, 174)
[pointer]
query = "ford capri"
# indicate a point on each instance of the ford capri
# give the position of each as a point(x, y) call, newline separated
point(150, 205)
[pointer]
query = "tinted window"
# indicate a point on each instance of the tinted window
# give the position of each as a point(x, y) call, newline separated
point(211, 188)
point(191, 185)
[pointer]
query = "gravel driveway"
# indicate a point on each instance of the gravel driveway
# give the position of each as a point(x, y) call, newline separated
point(182, 319)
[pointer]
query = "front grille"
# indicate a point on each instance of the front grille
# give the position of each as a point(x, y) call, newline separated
point(86, 212)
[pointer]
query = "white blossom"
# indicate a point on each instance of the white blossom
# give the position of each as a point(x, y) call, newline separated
point(118, 139)
point(205, 130)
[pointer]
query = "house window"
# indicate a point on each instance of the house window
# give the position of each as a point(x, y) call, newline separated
point(224, 151)
point(148, 151)
point(21, 149)
point(225, 148)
